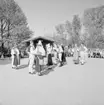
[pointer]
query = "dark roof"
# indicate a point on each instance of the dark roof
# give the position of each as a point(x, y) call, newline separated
point(39, 38)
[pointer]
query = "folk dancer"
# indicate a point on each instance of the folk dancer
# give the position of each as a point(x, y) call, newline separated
point(40, 54)
point(83, 54)
point(14, 57)
point(18, 56)
point(60, 51)
point(31, 57)
point(76, 54)
point(86, 53)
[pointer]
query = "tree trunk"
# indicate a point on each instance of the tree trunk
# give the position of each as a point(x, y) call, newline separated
point(2, 50)
point(2, 45)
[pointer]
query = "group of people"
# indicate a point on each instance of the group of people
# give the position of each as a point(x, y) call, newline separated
point(80, 54)
point(40, 56)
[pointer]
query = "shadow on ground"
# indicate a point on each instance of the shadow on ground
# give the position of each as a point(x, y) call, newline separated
point(47, 70)
point(23, 66)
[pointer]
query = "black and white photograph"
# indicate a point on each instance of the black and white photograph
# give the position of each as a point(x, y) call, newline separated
point(51, 52)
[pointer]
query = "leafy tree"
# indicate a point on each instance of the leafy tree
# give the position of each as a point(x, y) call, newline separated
point(60, 29)
point(12, 19)
point(93, 21)
point(76, 27)
point(69, 29)
point(61, 32)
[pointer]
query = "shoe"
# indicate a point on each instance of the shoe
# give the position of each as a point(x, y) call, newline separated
point(39, 74)
point(82, 63)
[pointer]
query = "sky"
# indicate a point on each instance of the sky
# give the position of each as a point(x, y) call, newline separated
point(44, 15)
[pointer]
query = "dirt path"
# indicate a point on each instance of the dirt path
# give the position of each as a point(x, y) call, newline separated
point(68, 85)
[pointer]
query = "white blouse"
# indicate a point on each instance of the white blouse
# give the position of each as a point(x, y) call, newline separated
point(13, 52)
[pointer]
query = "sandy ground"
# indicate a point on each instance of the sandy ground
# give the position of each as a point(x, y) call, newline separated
point(68, 85)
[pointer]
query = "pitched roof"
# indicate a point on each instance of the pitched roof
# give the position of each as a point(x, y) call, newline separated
point(39, 37)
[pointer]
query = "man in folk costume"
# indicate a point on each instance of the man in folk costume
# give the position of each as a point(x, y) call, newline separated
point(83, 55)
point(40, 54)
point(76, 54)
point(49, 55)
point(60, 51)
point(31, 57)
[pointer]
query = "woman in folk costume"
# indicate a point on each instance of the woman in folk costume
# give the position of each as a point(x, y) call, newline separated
point(40, 54)
point(18, 56)
point(49, 55)
point(76, 54)
point(60, 51)
point(31, 57)
point(86, 53)
point(14, 57)
point(83, 55)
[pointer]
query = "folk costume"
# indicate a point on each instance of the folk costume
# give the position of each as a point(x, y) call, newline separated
point(31, 57)
point(40, 54)
point(76, 55)
point(60, 51)
point(14, 58)
point(83, 54)
point(18, 56)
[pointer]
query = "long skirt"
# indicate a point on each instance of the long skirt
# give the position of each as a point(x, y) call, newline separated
point(50, 60)
point(15, 61)
point(39, 64)
point(63, 57)
point(18, 58)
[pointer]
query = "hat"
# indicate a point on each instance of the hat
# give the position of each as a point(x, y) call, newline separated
point(39, 43)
